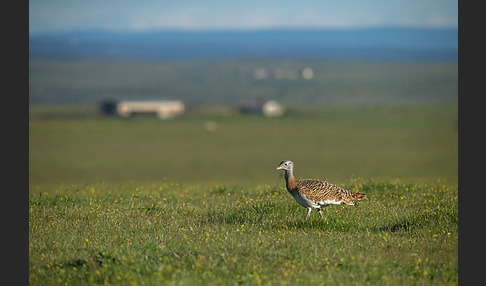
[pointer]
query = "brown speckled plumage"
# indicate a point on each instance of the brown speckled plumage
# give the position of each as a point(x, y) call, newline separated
point(319, 190)
point(314, 194)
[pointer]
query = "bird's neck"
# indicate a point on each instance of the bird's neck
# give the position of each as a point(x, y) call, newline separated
point(290, 180)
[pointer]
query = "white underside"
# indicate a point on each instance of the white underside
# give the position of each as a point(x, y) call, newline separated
point(303, 201)
point(330, 202)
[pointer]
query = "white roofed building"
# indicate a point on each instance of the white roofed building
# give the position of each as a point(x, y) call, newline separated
point(272, 108)
point(164, 109)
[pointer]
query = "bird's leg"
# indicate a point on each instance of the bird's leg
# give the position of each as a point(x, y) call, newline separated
point(320, 212)
point(308, 213)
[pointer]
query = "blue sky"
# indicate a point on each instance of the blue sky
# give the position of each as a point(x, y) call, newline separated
point(129, 15)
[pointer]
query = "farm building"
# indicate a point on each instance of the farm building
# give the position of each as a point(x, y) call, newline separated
point(269, 108)
point(272, 109)
point(164, 109)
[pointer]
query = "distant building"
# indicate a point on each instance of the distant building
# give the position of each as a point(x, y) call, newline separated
point(283, 73)
point(272, 108)
point(269, 108)
point(307, 73)
point(164, 109)
point(108, 107)
point(260, 74)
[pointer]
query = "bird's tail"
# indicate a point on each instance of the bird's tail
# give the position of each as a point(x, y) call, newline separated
point(350, 200)
point(359, 196)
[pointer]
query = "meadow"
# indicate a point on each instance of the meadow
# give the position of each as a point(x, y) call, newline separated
point(233, 82)
point(410, 142)
point(141, 201)
point(165, 233)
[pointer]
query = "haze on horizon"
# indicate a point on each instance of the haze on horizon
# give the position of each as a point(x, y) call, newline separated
point(46, 16)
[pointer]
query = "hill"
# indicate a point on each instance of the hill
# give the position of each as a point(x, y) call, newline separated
point(382, 44)
point(235, 82)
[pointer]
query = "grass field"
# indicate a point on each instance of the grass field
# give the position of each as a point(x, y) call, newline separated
point(148, 202)
point(232, 82)
point(174, 234)
point(335, 143)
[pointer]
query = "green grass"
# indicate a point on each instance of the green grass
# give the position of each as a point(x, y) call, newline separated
point(232, 82)
point(142, 201)
point(332, 142)
point(165, 233)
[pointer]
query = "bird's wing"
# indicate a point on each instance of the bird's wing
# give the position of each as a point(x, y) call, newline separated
point(320, 191)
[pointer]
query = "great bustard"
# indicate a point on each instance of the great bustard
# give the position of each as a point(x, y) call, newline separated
point(314, 194)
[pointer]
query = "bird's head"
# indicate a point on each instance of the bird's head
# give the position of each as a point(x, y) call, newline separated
point(286, 165)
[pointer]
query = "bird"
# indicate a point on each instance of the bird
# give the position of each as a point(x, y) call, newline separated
point(315, 193)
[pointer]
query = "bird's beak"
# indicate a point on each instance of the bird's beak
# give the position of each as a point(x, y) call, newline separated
point(279, 168)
